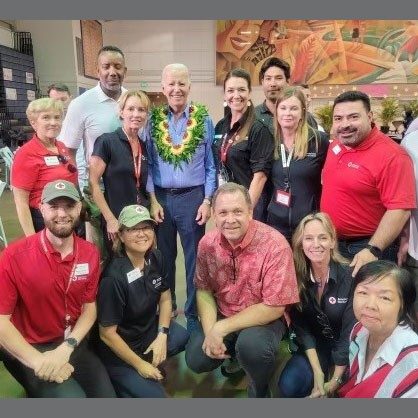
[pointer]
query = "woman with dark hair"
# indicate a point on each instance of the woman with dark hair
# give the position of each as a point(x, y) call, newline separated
point(135, 340)
point(384, 343)
point(324, 318)
point(299, 155)
point(243, 145)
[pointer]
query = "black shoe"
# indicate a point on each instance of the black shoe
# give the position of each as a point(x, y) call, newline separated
point(232, 369)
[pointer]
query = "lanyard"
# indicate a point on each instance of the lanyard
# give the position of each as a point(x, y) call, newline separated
point(227, 144)
point(137, 165)
point(70, 278)
point(286, 162)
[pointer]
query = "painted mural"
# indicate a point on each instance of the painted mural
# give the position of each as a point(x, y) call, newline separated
point(322, 51)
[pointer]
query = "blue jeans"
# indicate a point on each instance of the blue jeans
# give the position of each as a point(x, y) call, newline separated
point(296, 379)
point(180, 209)
point(128, 383)
point(255, 348)
point(349, 248)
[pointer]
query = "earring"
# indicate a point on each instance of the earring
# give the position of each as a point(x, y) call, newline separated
point(249, 103)
point(225, 103)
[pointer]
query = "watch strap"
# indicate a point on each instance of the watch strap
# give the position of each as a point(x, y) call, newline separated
point(376, 251)
point(163, 330)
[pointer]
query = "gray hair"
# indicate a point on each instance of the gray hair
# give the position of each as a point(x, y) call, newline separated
point(231, 188)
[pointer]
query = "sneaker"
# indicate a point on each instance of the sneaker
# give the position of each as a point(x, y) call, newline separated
point(231, 368)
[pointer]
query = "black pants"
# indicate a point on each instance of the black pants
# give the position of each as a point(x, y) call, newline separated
point(255, 348)
point(89, 379)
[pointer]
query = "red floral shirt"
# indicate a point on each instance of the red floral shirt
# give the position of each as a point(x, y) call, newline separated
point(259, 270)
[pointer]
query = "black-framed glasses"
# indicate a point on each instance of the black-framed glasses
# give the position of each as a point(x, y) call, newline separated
point(64, 160)
point(326, 326)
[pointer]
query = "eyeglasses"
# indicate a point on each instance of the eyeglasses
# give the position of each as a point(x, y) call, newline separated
point(64, 160)
point(326, 327)
point(136, 229)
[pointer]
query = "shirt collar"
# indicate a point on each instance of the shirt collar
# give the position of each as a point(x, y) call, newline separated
point(40, 146)
point(102, 97)
point(51, 250)
point(265, 109)
point(186, 111)
point(248, 237)
point(367, 142)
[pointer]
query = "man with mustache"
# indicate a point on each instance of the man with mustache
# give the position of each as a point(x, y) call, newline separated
point(48, 286)
point(368, 183)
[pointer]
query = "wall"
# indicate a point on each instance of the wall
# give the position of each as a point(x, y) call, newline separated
point(6, 37)
point(53, 51)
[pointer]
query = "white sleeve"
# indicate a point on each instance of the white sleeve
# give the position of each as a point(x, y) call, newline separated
point(72, 131)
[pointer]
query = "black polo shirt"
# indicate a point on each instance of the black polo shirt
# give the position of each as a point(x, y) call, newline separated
point(119, 176)
point(131, 303)
point(305, 185)
point(245, 157)
point(335, 311)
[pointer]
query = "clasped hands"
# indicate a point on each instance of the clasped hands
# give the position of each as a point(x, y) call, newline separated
point(213, 345)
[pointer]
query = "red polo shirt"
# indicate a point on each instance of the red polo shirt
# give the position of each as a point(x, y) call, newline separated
point(359, 184)
point(32, 170)
point(33, 285)
point(264, 270)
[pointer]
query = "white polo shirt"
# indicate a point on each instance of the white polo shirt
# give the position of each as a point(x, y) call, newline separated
point(89, 115)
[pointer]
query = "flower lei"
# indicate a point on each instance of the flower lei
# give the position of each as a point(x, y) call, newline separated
point(195, 129)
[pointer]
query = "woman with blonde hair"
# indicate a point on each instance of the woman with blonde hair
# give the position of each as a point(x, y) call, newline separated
point(41, 160)
point(135, 338)
point(121, 159)
point(322, 321)
point(243, 145)
point(299, 155)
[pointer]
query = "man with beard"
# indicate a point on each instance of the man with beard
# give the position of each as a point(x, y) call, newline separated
point(368, 183)
point(274, 75)
point(95, 112)
point(48, 286)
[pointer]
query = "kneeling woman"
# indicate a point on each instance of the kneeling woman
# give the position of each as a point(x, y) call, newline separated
point(384, 343)
point(323, 320)
point(135, 339)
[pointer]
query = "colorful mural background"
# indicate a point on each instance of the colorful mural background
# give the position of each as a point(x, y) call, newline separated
point(322, 51)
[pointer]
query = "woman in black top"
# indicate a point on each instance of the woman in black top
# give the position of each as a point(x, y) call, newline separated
point(135, 340)
point(243, 145)
point(299, 156)
point(323, 319)
point(121, 159)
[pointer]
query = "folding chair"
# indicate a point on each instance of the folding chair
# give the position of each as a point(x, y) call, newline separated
point(7, 156)
point(2, 233)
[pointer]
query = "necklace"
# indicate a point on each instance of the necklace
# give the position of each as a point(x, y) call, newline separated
point(171, 153)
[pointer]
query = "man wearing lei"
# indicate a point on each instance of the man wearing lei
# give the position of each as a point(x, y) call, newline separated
point(184, 177)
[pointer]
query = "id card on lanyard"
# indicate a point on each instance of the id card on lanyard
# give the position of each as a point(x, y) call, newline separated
point(283, 197)
point(67, 316)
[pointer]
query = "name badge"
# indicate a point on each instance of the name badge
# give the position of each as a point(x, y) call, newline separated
point(134, 275)
point(336, 150)
point(81, 269)
point(51, 160)
point(283, 198)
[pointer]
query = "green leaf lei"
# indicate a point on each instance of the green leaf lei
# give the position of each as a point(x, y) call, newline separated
point(195, 130)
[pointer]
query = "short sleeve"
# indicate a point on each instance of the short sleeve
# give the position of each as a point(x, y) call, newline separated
point(102, 148)
point(202, 271)
point(261, 145)
point(8, 290)
point(158, 258)
point(90, 293)
point(25, 169)
point(111, 301)
point(72, 131)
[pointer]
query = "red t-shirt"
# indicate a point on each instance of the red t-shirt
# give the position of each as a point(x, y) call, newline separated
point(359, 184)
point(33, 285)
point(34, 166)
point(264, 270)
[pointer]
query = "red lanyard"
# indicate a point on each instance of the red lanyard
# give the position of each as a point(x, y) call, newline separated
point(137, 163)
point(71, 277)
point(227, 144)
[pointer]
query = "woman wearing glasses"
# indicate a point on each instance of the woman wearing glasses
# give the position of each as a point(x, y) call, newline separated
point(324, 318)
point(121, 159)
point(135, 340)
point(39, 161)
point(384, 343)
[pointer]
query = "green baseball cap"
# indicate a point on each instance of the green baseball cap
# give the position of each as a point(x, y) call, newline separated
point(59, 188)
point(134, 214)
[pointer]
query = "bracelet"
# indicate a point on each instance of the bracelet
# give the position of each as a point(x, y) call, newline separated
point(338, 379)
point(207, 201)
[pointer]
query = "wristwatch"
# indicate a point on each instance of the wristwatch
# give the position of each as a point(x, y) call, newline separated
point(207, 201)
point(163, 330)
point(71, 341)
point(338, 379)
point(376, 251)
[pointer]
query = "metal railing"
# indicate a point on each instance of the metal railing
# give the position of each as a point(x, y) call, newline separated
point(22, 42)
